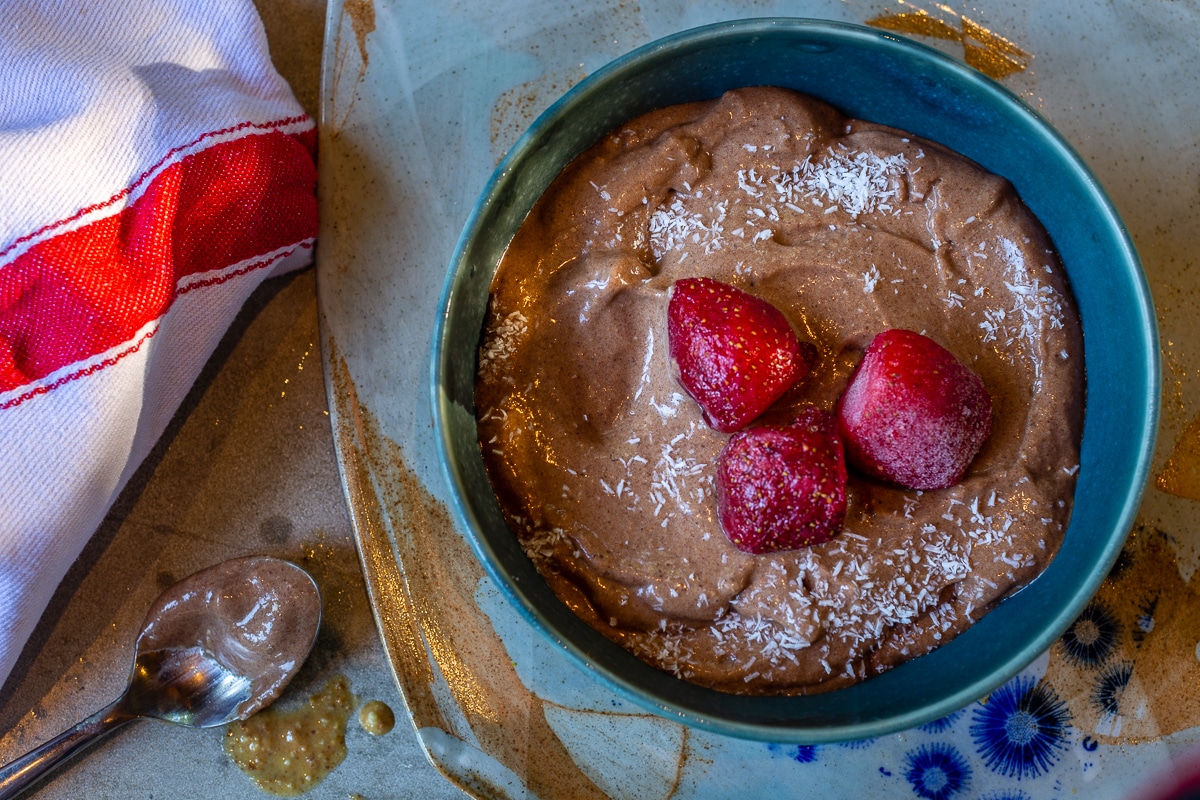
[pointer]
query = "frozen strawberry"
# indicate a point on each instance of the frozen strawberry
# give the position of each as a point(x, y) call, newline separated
point(735, 352)
point(782, 487)
point(912, 413)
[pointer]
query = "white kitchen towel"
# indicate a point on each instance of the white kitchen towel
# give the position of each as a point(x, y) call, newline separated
point(154, 169)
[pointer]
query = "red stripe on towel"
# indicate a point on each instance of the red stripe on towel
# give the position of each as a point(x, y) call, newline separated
point(85, 291)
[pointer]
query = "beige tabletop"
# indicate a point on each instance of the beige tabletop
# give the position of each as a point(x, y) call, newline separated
point(247, 466)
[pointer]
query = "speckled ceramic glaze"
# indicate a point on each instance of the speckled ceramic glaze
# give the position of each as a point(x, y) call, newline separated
point(420, 105)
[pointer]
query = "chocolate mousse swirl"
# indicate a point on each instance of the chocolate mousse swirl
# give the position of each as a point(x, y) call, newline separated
point(604, 467)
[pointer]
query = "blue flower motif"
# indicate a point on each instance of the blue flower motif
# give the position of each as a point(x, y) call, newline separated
point(943, 724)
point(1145, 620)
point(1110, 685)
point(937, 771)
point(858, 744)
point(1092, 637)
point(1022, 730)
point(1008, 794)
point(802, 753)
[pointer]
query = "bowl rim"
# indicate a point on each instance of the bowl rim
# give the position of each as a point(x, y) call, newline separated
point(470, 524)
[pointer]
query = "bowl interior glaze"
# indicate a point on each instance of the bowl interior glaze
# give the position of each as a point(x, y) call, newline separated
point(880, 77)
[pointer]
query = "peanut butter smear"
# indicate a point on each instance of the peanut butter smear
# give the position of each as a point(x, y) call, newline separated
point(288, 752)
point(604, 466)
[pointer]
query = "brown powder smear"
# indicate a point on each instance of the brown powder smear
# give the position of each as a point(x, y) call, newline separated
point(1152, 677)
point(985, 50)
point(1181, 475)
point(994, 55)
point(917, 23)
point(423, 596)
point(361, 14)
point(362, 22)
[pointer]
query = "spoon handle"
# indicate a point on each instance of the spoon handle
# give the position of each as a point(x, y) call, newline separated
point(20, 774)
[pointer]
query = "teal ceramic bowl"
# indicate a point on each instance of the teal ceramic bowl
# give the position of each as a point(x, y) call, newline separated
point(884, 78)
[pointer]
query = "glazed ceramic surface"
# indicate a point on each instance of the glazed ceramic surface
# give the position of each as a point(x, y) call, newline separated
point(871, 75)
point(421, 104)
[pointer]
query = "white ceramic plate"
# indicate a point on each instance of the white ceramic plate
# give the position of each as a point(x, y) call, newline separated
point(419, 103)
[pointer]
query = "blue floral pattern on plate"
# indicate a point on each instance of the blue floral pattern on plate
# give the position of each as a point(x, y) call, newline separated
point(1022, 730)
point(937, 771)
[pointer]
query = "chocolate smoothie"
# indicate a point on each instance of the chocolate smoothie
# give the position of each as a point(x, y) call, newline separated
point(604, 466)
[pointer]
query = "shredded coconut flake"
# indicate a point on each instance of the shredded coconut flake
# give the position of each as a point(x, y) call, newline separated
point(502, 340)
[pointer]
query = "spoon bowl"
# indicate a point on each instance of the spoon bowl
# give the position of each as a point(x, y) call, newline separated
point(187, 687)
point(214, 648)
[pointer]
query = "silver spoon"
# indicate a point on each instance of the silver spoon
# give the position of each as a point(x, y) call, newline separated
point(215, 647)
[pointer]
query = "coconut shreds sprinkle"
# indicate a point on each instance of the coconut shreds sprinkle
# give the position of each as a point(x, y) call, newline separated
point(857, 182)
point(870, 278)
point(673, 226)
point(668, 650)
point(859, 615)
point(540, 544)
point(854, 182)
point(838, 601)
point(1036, 308)
point(502, 341)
